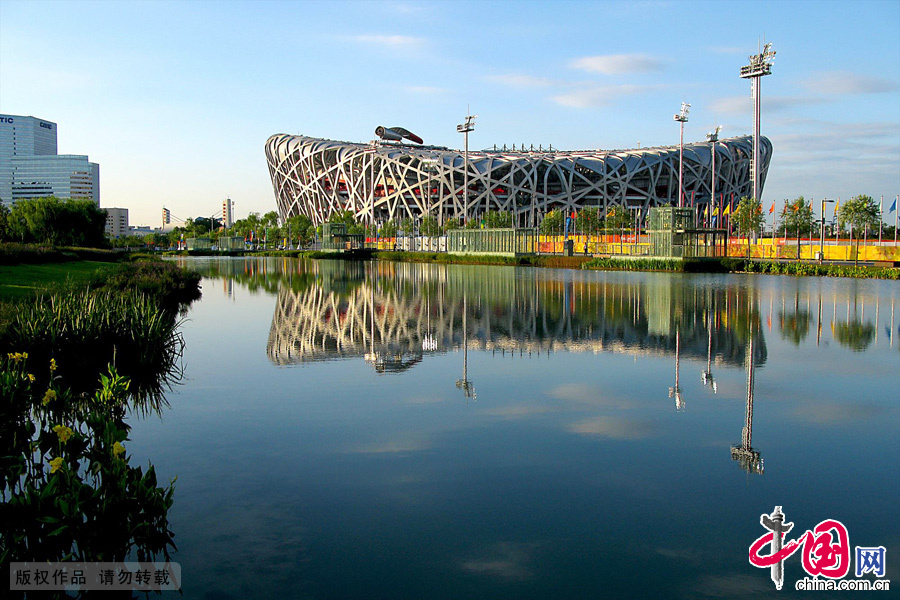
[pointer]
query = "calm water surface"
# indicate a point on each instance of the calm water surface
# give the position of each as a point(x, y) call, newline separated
point(377, 430)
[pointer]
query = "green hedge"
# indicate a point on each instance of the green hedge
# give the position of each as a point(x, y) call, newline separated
point(12, 253)
point(815, 269)
point(637, 264)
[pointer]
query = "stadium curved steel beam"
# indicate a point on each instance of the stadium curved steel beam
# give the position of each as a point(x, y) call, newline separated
point(389, 181)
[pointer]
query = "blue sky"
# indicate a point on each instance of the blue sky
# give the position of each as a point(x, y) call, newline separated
point(175, 100)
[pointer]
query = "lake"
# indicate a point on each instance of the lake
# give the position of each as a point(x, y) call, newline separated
point(395, 430)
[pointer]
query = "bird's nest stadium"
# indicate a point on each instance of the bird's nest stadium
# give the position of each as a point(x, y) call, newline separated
point(386, 180)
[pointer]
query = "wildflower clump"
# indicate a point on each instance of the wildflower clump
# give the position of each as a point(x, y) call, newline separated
point(63, 433)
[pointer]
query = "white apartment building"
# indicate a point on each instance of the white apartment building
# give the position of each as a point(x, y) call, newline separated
point(117, 222)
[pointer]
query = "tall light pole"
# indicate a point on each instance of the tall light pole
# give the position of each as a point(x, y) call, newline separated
point(712, 138)
point(822, 246)
point(760, 66)
point(682, 118)
point(465, 128)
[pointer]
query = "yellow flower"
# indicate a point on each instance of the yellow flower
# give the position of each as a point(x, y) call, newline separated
point(30, 377)
point(63, 432)
point(118, 449)
point(56, 464)
point(52, 364)
point(49, 396)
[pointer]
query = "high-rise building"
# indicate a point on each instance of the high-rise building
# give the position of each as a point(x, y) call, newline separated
point(31, 168)
point(117, 222)
point(227, 215)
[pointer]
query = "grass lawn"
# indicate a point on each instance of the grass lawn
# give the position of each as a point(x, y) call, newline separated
point(18, 282)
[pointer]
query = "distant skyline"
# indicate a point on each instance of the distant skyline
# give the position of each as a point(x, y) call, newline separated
point(175, 100)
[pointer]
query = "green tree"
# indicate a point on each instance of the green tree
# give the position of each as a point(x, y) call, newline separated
point(552, 223)
point(430, 227)
point(748, 218)
point(858, 213)
point(451, 224)
point(297, 228)
point(617, 219)
point(388, 229)
point(589, 220)
point(349, 220)
point(494, 219)
point(50, 220)
point(407, 226)
point(797, 216)
point(4, 223)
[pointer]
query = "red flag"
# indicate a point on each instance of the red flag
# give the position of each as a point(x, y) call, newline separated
point(771, 210)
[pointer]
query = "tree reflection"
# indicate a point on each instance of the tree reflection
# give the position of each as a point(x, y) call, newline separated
point(795, 324)
point(854, 334)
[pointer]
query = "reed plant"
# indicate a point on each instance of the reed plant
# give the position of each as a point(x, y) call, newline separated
point(86, 330)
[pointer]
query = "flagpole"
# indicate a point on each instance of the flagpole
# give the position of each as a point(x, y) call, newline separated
point(837, 233)
point(880, 220)
point(896, 214)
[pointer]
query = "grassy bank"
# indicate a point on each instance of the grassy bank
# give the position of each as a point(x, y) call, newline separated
point(559, 262)
point(35, 254)
point(725, 265)
point(82, 342)
point(738, 265)
point(814, 269)
point(22, 281)
point(35, 279)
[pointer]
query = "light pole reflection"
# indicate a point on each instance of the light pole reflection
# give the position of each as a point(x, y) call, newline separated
point(464, 384)
point(675, 392)
point(749, 459)
point(707, 377)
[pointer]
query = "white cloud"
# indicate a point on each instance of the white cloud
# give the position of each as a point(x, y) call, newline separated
point(506, 560)
point(520, 81)
point(837, 414)
point(617, 64)
point(728, 50)
point(744, 104)
point(394, 41)
point(598, 95)
point(409, 8)
point(426, 90)
point(612, 427)
point(398, 446)
point(846, 82)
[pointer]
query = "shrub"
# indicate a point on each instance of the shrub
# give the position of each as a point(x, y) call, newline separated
point(67, 489)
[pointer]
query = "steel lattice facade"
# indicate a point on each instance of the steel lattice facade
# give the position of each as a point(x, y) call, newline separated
point(318, 178)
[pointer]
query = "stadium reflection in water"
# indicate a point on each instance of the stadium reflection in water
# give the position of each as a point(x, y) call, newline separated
point(394, 315)
point(615, 443)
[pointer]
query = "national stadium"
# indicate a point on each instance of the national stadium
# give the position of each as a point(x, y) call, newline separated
point(391, 179)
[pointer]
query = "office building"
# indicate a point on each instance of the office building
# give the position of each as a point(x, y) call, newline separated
point(31, 168)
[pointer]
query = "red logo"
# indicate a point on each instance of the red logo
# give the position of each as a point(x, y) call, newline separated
point(826, 548)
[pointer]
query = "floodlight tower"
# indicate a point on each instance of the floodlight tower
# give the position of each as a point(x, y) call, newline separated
point(713, 137)
point(760, 66)
point(682, 118)
point(465, 128)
